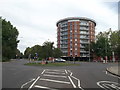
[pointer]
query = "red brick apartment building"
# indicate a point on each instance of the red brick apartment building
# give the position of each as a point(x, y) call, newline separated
point(73, 34)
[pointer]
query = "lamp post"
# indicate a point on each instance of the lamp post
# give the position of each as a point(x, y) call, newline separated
point(74, 60)
point(89, 50)
point(106, 50)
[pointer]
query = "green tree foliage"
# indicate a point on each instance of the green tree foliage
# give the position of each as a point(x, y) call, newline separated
point(115, 42)
point(48, 49)
point(9, 40)
point(103, 45)
point(19, 55)
point(57, 53)
point(33, 50)
point(106, 43)
point(44, 51)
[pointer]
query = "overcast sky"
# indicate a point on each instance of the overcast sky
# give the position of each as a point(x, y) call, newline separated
point(36, 19)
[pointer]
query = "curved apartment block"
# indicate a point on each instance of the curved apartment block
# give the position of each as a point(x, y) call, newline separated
point(73, 35)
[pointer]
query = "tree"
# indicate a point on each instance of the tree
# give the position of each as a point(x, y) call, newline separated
point(9, 40)
point(45, 51)
point(27, 52)
point(115, 42)
point(19, 55)
point(48, 49)
point(101, 48)
point(57, 53)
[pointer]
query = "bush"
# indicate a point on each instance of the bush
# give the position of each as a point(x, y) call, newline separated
point(5, 59)
point(39, 59)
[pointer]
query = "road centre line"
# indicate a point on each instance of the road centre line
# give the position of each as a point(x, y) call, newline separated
point(54, 81)
point(54, 73)
point(54, 76)
point(71, 82)
point(37, 86)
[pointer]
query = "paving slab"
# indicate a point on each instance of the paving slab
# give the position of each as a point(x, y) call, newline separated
point(114, 70)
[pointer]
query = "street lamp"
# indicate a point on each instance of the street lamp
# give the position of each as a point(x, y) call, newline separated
point(89, 50)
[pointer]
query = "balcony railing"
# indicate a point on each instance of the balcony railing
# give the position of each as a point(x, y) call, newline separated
point(84, 24)
point(84, 42)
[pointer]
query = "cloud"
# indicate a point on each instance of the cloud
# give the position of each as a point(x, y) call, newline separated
point(36, 19)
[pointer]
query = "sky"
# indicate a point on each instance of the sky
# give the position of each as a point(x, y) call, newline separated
point(36, 19)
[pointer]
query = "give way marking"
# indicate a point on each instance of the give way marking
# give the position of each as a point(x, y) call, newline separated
point(67, 74)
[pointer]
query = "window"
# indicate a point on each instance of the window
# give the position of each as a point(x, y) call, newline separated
point(75, 35)
point(75, 44)
point(75, 48)
point(75, 39)
point(75, 53)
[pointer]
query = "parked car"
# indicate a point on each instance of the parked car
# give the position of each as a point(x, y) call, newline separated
point(59, 60)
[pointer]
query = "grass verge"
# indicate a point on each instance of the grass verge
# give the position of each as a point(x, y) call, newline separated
point(51, 64)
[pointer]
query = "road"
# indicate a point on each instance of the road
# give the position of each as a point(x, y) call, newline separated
point(86, 75)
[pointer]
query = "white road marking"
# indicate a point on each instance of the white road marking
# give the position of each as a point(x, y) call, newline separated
point(54, 73)
point(34, 83)
point(43, 71)
point(76, 79)
point(35, 80)
point(37, 86)
point(65, 71)
point(105, 83)
point(27, 83)
point(54, 76)
point(105, 72)
point(71, 82)
point(106, 86)
point(54, 81)
point(60, 70)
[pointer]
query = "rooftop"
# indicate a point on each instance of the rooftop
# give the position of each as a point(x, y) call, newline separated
point(75, 18)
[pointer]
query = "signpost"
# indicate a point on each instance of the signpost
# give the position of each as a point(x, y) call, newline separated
point(74, 60)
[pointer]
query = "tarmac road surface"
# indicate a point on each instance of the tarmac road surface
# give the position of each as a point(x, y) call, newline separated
point(86, 75)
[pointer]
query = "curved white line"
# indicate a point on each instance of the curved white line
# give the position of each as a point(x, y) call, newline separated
point(27, 83)
point(76, 79)
point(98, 83)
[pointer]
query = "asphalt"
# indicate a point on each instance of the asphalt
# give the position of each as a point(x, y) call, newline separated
point(91, 75)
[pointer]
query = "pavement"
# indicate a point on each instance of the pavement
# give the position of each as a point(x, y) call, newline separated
point(115, 70)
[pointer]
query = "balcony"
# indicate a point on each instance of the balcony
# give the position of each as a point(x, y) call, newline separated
point(84, 24)
point(84, 37)
point(85, 33)
point(82, 46)
point(65, 34)
point(84, 42)
point(64, 47)
point(82, 51)
point(64, 38)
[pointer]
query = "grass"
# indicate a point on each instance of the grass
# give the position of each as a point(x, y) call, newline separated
point(51, 64)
